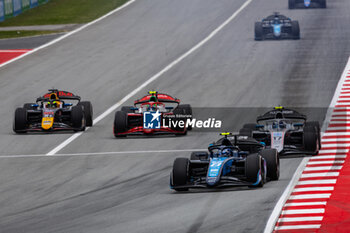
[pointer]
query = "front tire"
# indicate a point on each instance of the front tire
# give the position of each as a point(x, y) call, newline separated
point(77, 118)
point(259, 31)
point(310, 139)
point(254, 170)
point(273, 163)
point(120, 123)
point(20, 121)
point(180, 173)
point(295, 30)
point(88, 112)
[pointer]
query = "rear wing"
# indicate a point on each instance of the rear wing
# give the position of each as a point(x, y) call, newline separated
point(62, 95)
point(281, 114)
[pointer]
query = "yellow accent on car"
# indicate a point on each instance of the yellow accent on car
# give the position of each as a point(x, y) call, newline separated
point(47, 123)
point(152, 92)
point(225, 134)
point(279, 107)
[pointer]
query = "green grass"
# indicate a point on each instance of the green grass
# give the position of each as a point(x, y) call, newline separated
point(64, 12)
point(16, 34)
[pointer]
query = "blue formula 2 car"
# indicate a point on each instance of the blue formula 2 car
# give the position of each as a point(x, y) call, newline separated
point(293, 4)
point(277, 27)
point(231, 161)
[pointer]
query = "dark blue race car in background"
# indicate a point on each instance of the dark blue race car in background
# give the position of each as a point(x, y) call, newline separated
point(293, 4)
point(232, 161)
point(277, 27)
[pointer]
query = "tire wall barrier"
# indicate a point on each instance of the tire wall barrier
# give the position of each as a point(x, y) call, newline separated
point(11, 8)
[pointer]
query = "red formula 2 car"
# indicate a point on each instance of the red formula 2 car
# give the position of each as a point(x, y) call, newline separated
point(154, 113)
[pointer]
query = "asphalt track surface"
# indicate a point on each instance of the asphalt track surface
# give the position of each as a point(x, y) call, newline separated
point(104, 62)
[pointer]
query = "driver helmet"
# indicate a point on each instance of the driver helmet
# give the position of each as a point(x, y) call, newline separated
point(53, 104)
point(276, 20)
point(274, 125)
point(227, 152)
point(282, 124)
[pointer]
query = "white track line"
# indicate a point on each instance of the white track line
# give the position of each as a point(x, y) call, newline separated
point(278, 207)
point(105, 153)
point(153, 78)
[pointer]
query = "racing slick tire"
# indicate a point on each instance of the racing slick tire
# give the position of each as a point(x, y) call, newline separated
point(295, 30)
point(29, 106)
point(77, 118)
point(250, 126)
point(291, 4)
point(120, 123)
point(180, 173)
point(323, 3)
point(310, 139)
point(254, 164)
point(199, 155)
point(259, 31)
point(88, 112)
point(20, 121)
point(184, 109)
point(127, 109)
point(246, 132)
point(318, 130)
point(272, 162)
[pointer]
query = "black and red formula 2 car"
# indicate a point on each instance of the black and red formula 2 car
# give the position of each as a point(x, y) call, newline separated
point(155, 113)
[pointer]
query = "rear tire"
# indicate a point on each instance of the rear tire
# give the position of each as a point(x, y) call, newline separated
point(28, 106)
point(184, 109)
point(323, 3)
point(180, 173)
point(246, 132)
point(77, 117)
point(199, 155)
point(291, 4)
point(318, 130)
point(253, 165)
point(250, 126)
point(273, 163)
point(310, 139)
point(120, 123)
point(127, 109)
point(295, 30)
point(259, 31)
point(20, 121)
point(88, 112)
